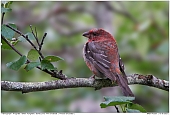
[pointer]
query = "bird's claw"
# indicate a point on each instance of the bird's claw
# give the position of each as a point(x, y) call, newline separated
point(92, 77)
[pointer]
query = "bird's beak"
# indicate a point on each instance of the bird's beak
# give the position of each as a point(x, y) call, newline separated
point(86, 34)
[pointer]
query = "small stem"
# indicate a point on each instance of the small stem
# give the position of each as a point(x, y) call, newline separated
point(45, 34)
point(35, 35)
point(117, 109)
point(2, 19)
point(122, 108)
point(11, 46)
point(26, 37)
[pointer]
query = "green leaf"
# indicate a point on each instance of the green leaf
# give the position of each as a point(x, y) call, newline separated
point(6, 47)
point(7, 32)
point(117, 100)
point(30, 37)
point(53, 58)
point(31, 65)
point(14, 42)
point(17, 64)
point(136, 107)
point(45, 64)
point(32, 55)
point(8, 4)
point(4, 10)
point(132, 111)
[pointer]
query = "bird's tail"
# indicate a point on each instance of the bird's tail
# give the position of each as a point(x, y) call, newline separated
point(123, 84)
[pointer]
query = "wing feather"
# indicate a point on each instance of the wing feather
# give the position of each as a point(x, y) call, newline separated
point(99, 59)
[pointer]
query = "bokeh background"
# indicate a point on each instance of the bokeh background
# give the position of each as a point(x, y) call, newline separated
point(141, 31)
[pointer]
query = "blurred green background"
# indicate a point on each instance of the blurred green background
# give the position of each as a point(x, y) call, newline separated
point(141, 31)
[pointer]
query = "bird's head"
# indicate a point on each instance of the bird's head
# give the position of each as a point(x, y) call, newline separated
point(96, 34)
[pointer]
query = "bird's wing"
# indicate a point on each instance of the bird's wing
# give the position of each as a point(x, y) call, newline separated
point(101, 61)
point(121, 65)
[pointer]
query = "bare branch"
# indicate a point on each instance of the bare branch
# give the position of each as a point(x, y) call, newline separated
point(35, 35)
point(42, 41)
point(149, 80)
point(25, 87)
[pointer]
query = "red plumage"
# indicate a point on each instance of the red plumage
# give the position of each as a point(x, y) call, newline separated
point(102, 57)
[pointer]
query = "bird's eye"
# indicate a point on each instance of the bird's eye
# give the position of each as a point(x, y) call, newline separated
point(95, 34)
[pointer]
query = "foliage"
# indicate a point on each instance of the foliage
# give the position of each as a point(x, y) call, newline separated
point(7, 32)
point(5, 7)
point(53, 58)
point(17, 64)
point(30, 37)
point(33, 54)
point(31, 65)
point(125, 102)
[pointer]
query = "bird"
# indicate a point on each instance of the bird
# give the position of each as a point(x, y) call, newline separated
point(101, 55)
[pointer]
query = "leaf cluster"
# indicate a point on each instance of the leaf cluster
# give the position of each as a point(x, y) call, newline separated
point(34, 57)
point(126, 104)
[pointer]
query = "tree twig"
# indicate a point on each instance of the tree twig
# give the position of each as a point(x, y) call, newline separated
point(35, 35)
point(11, 46)
point(53, 74)
point(42, 41)
point(25, 87)
point(39, 44)
point(28, 61)
point(117, 109)
point(26, 37)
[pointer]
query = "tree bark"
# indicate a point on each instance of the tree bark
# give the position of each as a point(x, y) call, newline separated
point(25, 87)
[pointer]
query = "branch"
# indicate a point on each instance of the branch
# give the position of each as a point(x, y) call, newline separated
point(26, 37)
point(42, 41)
point(28, 61)
point(25, 87)
point(35, 34)
point(11, 46)
point(55, 74)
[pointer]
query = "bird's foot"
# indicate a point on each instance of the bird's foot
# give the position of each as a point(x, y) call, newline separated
point(92, 77)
